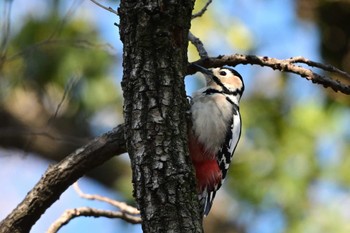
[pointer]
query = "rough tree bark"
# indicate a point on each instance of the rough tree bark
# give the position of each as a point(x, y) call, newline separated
point(155, 38)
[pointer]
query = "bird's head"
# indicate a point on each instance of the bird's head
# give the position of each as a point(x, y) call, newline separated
point(224, 79)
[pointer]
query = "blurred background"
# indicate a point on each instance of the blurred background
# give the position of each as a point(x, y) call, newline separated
point(60, 73)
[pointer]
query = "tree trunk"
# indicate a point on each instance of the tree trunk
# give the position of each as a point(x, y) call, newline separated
point(155, 37)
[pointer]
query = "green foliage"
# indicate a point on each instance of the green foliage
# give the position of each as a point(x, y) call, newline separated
point(56, 84)
point(48, 54)
point(290, 151)
point(278, 158)
point(286, 147)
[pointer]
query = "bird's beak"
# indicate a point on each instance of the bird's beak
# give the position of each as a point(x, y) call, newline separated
point(203, 70)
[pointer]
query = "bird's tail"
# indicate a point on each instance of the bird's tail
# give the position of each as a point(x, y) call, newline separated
point(206, 201)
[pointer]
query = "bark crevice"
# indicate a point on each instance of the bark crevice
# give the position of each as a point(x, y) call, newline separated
point(155, 35)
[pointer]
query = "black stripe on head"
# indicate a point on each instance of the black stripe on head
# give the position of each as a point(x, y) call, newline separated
point(218, 82)
point(213, 77)
point(236, 74)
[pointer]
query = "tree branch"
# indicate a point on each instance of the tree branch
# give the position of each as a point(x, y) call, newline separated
point(318, 65)
point(199, 45)
point(287, 65)
point(121, 205)
point(68, 215)
point(126, 212)
point(204, 9)
point(110, 9)
point(59, 177)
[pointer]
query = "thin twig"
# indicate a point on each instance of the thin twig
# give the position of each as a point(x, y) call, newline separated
point(69, 86)
point(110, 9)
point(126, 212)
point(121, 205)
point(68, 215)
point(201, 12)
point(286, 65)
point(322, 66)
point(198, 44)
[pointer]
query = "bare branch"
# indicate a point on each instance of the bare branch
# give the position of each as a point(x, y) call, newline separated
point(68, 87)
point(201, 12)
point(121, 205)
point(60, 176)
point(90, 212)
point(322, 66)
point(198, 44)
point(286, 65)
point(126, 212)
point(110, 9)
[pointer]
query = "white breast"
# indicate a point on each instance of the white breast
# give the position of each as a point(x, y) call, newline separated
point(211, 118)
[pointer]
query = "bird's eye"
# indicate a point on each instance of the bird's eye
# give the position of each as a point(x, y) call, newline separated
point(222, 73)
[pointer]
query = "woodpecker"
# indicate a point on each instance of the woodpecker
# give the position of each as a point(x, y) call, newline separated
point(215, 130)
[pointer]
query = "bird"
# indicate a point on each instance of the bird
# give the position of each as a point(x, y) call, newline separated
point(215, 129)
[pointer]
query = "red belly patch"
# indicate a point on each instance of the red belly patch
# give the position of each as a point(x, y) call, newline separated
point(208, 173)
